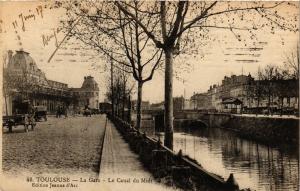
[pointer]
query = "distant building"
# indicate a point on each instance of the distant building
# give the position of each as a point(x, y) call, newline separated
point(232, 105)
point(105, 107)
point(201, 101)
point(214, 95)
point(274, 95)
point(22, 79)
point(157, 106)
point(145, 105)
point(189, 104)
point(242, 93)
point(87, 95)
point(178, 103)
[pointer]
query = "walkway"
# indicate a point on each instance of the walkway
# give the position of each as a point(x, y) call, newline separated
point(120, 168)
point(268, 116)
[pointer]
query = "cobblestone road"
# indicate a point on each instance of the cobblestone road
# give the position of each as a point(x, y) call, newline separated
point(57, 146)
point(72, 148)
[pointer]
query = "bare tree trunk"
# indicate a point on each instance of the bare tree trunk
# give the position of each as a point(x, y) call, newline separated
point(257, 107)
point(269, 103)
point(129, 110)
point(169, 99)
point(289, 105)
point(6, 110)
point(123, 108)
point(297, 98)
point(281, 107)
point(139, 105)
point(112, 88)
point(271, 108)
point(118, 102)
point(124, 98)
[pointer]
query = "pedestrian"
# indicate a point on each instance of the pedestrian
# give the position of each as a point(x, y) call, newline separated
point(58, 111)
point(66, 112)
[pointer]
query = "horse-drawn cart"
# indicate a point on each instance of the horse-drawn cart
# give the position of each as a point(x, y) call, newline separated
point(40, 113)
point(23, 115)
point(15, 120)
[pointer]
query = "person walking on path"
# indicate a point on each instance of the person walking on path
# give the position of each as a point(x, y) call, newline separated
point(66, 112)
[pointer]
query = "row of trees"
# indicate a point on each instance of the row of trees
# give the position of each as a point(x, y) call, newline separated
point(276, 82)
point(119, 90)
point(141, 36)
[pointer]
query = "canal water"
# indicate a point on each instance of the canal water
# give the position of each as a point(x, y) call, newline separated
point(256, 166)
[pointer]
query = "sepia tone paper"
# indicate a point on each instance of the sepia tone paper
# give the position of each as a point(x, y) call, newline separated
point(67, 64)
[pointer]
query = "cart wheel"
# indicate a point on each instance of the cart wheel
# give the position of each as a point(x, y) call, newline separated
point(26, 128)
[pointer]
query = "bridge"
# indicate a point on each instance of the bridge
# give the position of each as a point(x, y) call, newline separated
point(190, 118)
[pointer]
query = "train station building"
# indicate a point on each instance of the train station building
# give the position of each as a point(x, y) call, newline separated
point(23, 80)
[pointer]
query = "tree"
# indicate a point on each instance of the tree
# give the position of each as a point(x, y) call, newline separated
point(268, 79)
point(277, 84)
point(292, 63)
point(119, 92)
point(182, 22)
point(258, 90)
point(122, 41)
point(172, 26)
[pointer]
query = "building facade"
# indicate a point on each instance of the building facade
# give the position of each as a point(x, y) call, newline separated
point(145, 105)
point(87, 95)
point(23, 80)
point(244, 94)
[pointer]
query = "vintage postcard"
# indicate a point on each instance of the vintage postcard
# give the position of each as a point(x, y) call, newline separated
point(149, 95)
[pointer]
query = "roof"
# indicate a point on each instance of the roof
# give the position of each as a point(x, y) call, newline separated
point(90, 84)
point(22, 58)
point(232, 101)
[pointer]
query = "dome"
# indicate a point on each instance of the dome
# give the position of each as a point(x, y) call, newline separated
point(90, 84)
point(22, 60)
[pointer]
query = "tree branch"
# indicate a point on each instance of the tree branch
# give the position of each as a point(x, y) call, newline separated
point(154, 68)
point(196, 19)
point(151, 35)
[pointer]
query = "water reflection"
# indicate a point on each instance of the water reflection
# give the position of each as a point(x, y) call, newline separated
point(222, 152)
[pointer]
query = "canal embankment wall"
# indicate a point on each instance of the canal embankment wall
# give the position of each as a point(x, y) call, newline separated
point(263, 128)
point(170, 167)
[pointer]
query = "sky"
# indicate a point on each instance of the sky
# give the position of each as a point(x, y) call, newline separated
point(39, 34)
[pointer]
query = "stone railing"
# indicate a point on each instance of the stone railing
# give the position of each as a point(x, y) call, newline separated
point(169, 167)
